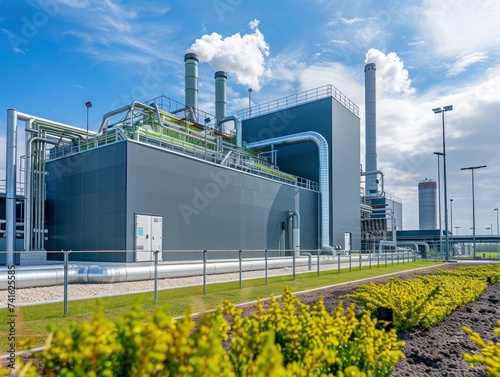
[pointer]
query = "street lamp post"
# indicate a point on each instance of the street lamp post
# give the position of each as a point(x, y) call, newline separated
point(442, 111)
point(456, 230)
point(451, 226)
point(439, 154)
point(496, 209)
point(472, 168)
point(89, 105)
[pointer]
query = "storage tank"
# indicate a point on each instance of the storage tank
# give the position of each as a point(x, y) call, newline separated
point(427, 205)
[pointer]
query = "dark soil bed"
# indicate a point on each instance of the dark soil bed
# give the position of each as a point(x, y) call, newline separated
point(437, 351)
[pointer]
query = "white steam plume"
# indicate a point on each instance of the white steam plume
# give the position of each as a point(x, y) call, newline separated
point(243, 56)
point(392, 78)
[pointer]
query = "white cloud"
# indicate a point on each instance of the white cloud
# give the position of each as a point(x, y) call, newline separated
point(392, 78)
point(465, 60)
point(244, 56)
point(455, 26)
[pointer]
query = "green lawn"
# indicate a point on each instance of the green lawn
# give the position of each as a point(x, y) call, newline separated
point(32, 321)
point(487, 254)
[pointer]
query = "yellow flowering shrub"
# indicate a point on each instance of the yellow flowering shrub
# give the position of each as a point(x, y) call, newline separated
point(490, 353)
point(484, 271)
point(313, 340)
point(421, 302)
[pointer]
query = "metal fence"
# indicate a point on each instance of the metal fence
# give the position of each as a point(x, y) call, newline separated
point(204, 263)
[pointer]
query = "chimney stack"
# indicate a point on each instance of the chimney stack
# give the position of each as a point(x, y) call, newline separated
point(191, 85)
point(371, 128)
point(220, 95)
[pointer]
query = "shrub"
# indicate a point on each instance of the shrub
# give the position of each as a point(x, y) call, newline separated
point(490, 353)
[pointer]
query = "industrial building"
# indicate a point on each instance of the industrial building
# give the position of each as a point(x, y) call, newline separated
point(164, 175)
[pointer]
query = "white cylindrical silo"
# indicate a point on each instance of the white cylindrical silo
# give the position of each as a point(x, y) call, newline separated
point(371, 128)
point(220, 95)
point(191, 84)
point(427, 205)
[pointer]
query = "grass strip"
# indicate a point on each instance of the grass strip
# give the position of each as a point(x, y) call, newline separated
point(32, 321)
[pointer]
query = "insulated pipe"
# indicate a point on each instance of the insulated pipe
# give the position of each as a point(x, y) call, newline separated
point(237, 126)
point(39, 277)
point(10, 182)
point(295, 217)
point(371, 127)
point(28, 201)
point(220, 95)
point(191, 82)
point(324, 189)
point(371, 172)
point(424, 244)
point(121, 110)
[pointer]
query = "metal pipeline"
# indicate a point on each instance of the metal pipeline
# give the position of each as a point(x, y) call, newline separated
point(121, 110)
point(371, 172)
point(417, 243)
point(11, 182)
point(324, 189)
point(41, 277)
point(295, 244)
point(237, 126)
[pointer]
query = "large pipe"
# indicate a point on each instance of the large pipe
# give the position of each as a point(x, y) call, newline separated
point(10, 181)
point(371, 172)
point(40, 276)
point(324, 188)
point(295, 244)
point(191, 82)
point(220, 95)
point(371, 127)
point(417, 243)
point(237, 126)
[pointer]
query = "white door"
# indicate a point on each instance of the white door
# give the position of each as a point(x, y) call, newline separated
point(148, 237)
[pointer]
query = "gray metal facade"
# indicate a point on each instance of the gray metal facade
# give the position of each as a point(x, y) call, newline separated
point(341, 128)
point(93, 197)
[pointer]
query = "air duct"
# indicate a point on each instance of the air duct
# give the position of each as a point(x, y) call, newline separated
point(371, 128)
point(295, 220)
point(220, 95)
point(10, 182)
point(191, 83)
point(324, 189)
point(237, 127)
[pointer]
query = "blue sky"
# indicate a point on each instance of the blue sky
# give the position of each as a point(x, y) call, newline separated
point(58, 54)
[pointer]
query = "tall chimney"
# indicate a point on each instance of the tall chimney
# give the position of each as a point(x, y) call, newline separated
point(220, 95)
point(191, 85)
point(371, 128)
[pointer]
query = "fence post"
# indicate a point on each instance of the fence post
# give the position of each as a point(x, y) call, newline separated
point(204, 272)
point(317, 264)
point(350, 262)
point(370, 258)
point(309, 262)
point(293, 264)
point(360, 261)
point(265, 257)
point(156, 275)
point(66, 257)
point(241, 273)
point(338, 267)
point(392, 258)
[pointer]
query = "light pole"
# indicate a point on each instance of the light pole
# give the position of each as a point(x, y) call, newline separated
point(456, 230)
point(438, 154)
point(89, 105)
point(442, 111)
point(472, 168)
point(496, 209)
point(451, 226)
point(249, 102)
